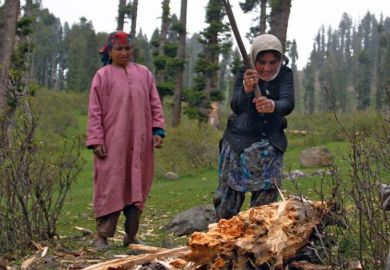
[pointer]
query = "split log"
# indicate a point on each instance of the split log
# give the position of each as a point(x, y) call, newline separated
point(131, 261)
point(146, 249)
point(265, 235)
point(27, 263)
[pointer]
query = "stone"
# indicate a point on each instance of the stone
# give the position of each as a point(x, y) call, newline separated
point(171, 176)
point(315, 157)
point(191, 220)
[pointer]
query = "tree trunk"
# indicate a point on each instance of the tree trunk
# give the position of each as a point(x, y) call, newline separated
point(181, 54)
point(263, 16)
point(121, 14)
point(28, 8)
point(162, 39)
point(164, 26)
point(9, 18)
point(134, 11)
point(280, 12)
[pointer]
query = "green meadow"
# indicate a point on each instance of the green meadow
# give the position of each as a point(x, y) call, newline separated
point(191, 151)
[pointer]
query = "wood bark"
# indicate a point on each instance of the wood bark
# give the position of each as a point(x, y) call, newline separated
point(280, 13)
point(181, 54)
point(134, 11)
point(28, 8)
point(11, 10)
point(263, 16)
point(121, 14)
point(265, 235)
point(160, 76)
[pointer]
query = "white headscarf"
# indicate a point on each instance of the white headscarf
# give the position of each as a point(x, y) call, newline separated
point(266, 42)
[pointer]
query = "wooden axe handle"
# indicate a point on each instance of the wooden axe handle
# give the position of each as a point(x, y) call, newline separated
point(245, 57)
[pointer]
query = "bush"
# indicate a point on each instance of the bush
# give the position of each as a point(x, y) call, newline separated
point(188, 149)
point(321, 128)
point(36, 172)
point(359, 230)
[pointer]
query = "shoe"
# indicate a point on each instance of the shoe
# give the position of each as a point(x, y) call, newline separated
point(101, 244)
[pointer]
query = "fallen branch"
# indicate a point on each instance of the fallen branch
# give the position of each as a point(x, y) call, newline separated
point(130, 261)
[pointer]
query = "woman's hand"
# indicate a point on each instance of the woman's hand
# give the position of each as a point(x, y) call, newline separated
point(100, 151)
point(251, 77)
point(157, 141)
point(264, 104)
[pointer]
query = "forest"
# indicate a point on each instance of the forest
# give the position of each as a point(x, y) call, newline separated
point(353, 58)
point(342, 100)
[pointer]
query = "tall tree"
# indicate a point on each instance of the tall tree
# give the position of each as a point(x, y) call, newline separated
point(134, 11)
point(8, 21)
point(193, 48)
point(365, 62)
point(121, 14)
point(248, 6)
point(160, 61)
point(48, 55)
point(309, 87)
point(181, 53)
point(215, 41)
point(82, 60)
point(383, 63)
point(278, 18)
point(293, 53)
point(280, 13)
point(143, 50)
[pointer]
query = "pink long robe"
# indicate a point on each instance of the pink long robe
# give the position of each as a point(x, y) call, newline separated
point(123, 110)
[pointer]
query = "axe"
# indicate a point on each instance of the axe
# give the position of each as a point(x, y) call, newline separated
point(245, 57)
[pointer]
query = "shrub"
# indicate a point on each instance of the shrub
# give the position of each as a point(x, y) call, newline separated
point(188, 148)
point(37, 173)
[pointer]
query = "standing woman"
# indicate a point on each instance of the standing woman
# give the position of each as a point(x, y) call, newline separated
point(125, 123)
point(254, 141)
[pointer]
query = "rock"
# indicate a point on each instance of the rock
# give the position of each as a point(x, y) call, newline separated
point(316, 157)
point(191, 220)
point(321, 172)
point(168, 243)
point(384, 192)
point(294, 175)
point(171, 176)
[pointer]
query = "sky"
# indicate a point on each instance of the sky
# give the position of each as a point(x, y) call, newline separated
point(306, 16)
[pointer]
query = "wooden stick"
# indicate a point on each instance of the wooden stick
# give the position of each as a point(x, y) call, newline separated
point(245, 57)
point(127, 262)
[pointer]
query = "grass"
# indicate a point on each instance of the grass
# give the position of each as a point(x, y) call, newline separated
point(196, 184)
point(169, 197)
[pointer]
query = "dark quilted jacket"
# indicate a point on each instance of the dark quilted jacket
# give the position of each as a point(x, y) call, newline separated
point(246, 126)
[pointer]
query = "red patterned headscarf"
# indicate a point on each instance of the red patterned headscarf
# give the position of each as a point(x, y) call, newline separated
point(117, 37)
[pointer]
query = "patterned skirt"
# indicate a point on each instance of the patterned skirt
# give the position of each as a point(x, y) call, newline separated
point(258, 167)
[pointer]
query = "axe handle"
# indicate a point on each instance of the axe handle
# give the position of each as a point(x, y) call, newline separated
point(245, 57)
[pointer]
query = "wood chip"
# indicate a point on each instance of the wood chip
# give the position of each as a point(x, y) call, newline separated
point(27, 263)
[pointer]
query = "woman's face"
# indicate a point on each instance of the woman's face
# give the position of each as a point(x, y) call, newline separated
point(267, 65)
point(120, 54)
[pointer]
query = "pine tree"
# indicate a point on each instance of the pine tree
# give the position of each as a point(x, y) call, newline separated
point(309, 87)
point(48, 54)
point(293, 53)
point(215, 41)
point(177, 96)
point(121, 15)
point(8, 20)
point(82, 59)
